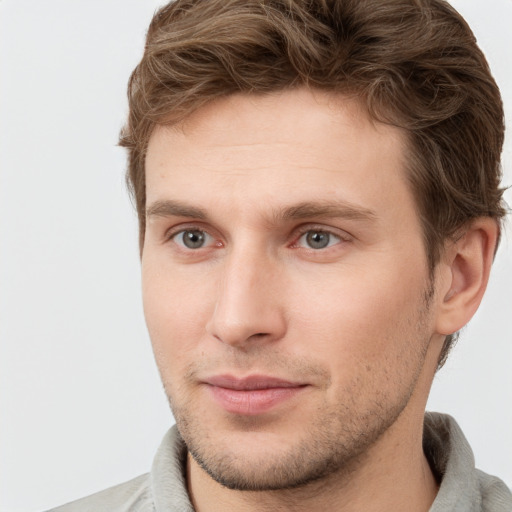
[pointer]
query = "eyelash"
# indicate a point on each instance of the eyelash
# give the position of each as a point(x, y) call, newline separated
point(319, 229)
point(173, 234)
point(341, 236)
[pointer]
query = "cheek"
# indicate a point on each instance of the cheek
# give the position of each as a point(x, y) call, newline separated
point(176, 310)
point(360, 320)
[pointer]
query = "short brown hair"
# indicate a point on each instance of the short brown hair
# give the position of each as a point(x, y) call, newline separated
point(413, 63)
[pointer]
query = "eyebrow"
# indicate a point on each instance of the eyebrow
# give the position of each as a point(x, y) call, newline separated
point(171, 208)
point(303, 210)
point(328, 209)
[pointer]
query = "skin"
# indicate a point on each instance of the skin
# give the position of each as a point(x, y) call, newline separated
point(358, 324)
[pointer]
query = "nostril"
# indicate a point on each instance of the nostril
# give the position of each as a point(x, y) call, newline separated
point(259, 335)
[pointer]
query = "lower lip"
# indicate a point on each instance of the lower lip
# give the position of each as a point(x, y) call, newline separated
point(255, 401)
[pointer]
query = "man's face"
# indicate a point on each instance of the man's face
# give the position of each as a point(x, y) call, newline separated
point(285, 285)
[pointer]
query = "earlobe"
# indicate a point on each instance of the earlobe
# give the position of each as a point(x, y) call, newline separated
point(468, 263)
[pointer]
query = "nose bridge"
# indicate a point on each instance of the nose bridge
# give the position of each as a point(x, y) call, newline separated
point(247, 306)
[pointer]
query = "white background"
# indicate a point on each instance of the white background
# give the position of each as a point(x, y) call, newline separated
point(81, 405)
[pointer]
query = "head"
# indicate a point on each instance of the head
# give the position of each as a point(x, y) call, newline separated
point(408, 77)
point(412, 63)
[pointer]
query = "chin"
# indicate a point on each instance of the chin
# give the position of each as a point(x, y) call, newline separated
point(266, 470)
point(272, 460)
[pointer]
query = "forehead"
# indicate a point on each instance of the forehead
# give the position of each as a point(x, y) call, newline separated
point(298, 145)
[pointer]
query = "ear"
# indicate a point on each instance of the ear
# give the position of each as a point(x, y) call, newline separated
point(466, 266)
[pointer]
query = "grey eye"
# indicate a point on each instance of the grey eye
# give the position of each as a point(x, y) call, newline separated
point(192, 239)
point(318, 239)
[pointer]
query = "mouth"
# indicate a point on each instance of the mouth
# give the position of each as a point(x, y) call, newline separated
point(252, 395)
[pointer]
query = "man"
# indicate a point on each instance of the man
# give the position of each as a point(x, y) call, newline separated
point(317, 186)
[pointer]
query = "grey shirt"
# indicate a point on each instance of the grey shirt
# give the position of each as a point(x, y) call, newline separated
point(463, 488)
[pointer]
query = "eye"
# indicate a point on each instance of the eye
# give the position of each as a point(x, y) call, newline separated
point(192, 238)
point(318, 239)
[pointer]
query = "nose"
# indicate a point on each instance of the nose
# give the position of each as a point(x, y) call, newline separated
point(248, 308)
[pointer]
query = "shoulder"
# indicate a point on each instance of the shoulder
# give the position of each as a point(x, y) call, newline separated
point(462, 487)
point(496, 496)
point(132, 496)
point(164, 488)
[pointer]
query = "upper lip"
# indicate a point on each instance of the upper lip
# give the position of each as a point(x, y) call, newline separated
point(251, 382)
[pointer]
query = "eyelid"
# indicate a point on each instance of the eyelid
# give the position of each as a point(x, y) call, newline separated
point(183, 226)
point(174, 231)
point(306, 228)
point(300, 231)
